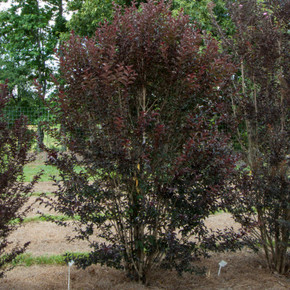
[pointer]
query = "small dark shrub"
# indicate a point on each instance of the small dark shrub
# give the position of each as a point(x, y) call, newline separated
point(141, 105)
point(15, 140)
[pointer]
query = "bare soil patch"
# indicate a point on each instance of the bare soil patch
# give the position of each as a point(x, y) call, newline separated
point(245, 270)
point(47, 238)
point(38, 208)
point(44, 186)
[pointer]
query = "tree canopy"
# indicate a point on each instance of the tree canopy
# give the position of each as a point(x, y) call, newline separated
point(29, 34)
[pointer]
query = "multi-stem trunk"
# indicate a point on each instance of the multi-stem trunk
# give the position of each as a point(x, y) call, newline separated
point(281, 258)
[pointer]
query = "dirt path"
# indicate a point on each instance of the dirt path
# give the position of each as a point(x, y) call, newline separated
point(45, 186)
point(48, 239)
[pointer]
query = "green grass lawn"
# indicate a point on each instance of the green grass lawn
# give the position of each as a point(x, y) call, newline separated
point(38, 166)
point(32, 169)
point(45, 218)
point(27, 259)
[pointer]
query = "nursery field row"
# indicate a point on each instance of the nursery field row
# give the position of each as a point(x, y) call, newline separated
point(44, 265)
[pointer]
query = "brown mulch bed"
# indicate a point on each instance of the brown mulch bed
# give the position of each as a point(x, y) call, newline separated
point(245, 270)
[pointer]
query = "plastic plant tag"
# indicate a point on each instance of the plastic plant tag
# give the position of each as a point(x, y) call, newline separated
point(222, 263)
point(68, 281)
point(71, 263)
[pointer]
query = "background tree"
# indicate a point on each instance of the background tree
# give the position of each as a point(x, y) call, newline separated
point(15, 141)
point(88, 14)
point(141, 104)
point(29, 34)
point(260, 47)
point(199, 13)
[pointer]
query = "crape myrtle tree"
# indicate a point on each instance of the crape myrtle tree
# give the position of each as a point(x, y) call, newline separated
point(15, 141)
point(142, 104)
point(260, 47)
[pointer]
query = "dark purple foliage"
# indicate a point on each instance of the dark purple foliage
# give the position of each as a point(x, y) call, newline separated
point(15, 142)
point(262, 192)
point(141, 105)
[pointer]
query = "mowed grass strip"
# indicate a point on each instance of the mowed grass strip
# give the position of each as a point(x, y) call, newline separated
point(34, 168)
point(48, 171)
point(42, 193)
point(45, 218)
point(28, 259)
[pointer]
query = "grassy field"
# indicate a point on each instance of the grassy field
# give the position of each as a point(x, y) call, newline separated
point(37, 166)
point(44, 218)
point(34, 168)
point(30, 260)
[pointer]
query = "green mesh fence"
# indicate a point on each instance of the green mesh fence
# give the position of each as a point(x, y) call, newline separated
point(35, 117)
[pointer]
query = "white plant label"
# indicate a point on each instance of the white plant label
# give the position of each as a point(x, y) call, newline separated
point(71, 263)
point(222, 264)
point(68, 281)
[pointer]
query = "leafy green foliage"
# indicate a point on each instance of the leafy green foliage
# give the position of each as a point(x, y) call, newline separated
point(89, 14)
point(28, 39)
point(199, 13)
point(141, 104)
point(27, 42)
